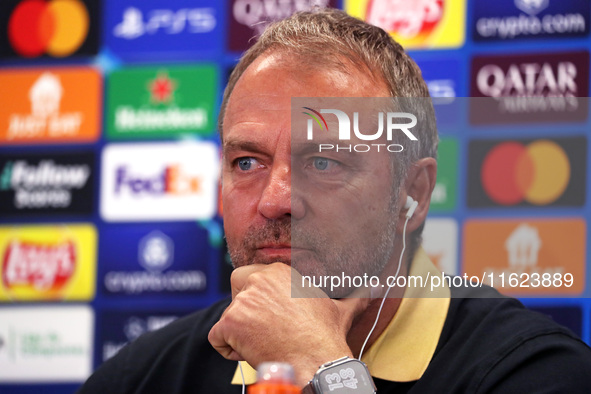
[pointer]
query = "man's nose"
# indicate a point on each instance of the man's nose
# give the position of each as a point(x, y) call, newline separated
point(276, 199)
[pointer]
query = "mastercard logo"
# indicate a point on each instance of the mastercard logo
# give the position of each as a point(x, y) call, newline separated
point(56, 27)
point(538, 172)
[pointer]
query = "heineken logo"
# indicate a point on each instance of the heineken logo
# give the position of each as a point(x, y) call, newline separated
point(162, 88)
point(156, 102)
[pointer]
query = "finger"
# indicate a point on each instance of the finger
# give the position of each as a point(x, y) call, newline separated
point(240, 276)
point(350, 308)
point(218, 341)
point(299, 290)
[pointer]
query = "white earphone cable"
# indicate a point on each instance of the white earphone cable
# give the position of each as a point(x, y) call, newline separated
point(390, 285)
point(242, 376)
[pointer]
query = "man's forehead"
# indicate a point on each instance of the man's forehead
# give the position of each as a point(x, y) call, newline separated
point(256, 118)
point(256, 103)
point(278, 73)
point(262, 97)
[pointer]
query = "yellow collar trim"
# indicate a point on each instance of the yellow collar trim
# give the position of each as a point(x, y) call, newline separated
point(250, 374)
point(404, 350)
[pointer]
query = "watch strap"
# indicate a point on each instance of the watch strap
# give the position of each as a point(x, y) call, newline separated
point(308, 389)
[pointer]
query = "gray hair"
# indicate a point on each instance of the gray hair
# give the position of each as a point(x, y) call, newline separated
point(335, 39)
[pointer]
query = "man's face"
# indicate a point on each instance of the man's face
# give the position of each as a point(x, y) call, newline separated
point(324, 214)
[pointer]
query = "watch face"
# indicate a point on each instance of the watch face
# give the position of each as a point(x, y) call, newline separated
point(350, 376)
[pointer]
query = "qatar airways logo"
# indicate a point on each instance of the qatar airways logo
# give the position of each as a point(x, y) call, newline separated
point(395, 122)
point(530, 88)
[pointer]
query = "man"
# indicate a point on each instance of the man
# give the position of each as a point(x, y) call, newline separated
point(328, 212)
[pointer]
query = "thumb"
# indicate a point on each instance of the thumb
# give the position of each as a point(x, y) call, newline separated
point(353, 306)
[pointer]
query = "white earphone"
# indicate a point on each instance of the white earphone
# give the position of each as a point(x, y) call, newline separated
point(411, 205)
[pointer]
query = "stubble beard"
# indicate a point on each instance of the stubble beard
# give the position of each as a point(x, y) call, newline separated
point(324, 256)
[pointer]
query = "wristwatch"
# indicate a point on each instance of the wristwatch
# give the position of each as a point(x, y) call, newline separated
point(345, 375)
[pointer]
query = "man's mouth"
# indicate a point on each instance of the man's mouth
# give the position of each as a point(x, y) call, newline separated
point(277, 250)
point(274, 246)
point(280, 251)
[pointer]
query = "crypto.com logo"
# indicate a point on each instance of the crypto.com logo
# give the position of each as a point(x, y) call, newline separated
point(344, 130)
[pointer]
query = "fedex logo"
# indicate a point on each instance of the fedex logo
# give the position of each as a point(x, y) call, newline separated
point(159, 181)
point(171, 180)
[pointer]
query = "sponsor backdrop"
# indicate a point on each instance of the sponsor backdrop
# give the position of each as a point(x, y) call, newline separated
point(110, 221)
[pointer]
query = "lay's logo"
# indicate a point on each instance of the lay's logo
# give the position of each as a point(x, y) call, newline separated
point(415, 24)
point(47, 263)
point(42, 267)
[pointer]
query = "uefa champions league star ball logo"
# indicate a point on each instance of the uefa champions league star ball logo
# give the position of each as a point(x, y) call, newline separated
point(156, 251)
point(532, 7)
point(134, 327)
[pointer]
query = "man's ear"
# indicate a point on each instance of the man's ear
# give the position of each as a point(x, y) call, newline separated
point(419, 185)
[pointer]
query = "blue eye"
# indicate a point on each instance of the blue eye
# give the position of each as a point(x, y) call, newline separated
point(245, 163)
point(320, 163)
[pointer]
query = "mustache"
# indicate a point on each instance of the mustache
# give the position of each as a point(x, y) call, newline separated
point(281, 232)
